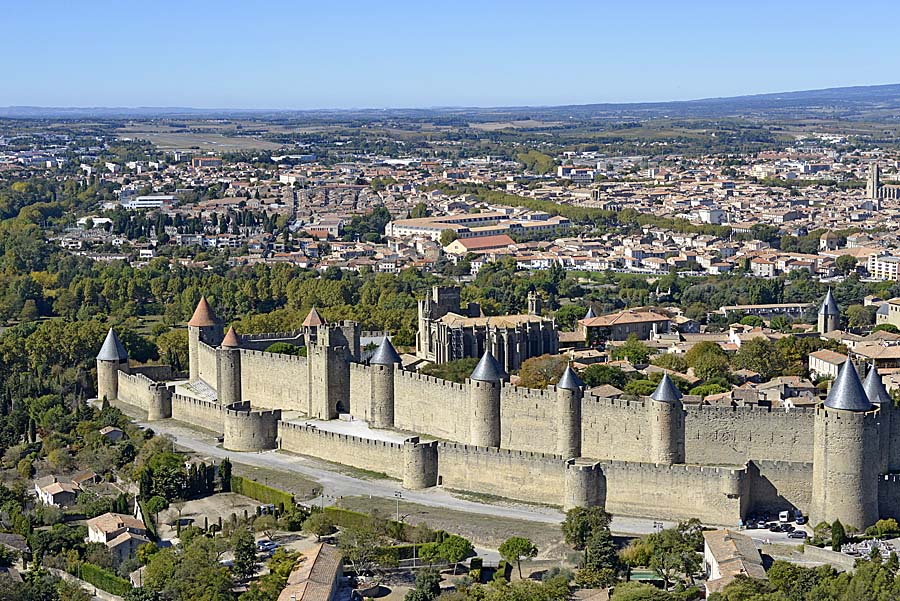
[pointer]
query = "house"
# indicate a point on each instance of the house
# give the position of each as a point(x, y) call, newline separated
point(619, 326)
point(122, 534)
point(463, 246)
point(112, 434)
point(727, 555)
point(317, 578)
point(50, 491)
point(825, 363)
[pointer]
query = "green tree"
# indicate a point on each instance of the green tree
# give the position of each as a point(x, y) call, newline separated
point(319, 523)
point(245, 562)
point(635, 351)
point(859, 316)
point(454, 549)
point(581, 523)
point(448, 236)
point(845, 264)
point(708, 360)
point(599, 374)
point(540, 372)
point(671, 362)
point(428, 585)
point(760, 355)
point(515, 548)
point(886, 327)
point(838, 535)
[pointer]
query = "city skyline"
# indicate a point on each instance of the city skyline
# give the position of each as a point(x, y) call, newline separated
point(403, 55)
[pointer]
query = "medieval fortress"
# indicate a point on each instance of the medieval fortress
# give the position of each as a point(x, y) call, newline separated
point(655, 457)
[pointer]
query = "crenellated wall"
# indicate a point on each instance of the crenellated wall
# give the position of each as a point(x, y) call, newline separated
point(136, 389)
point(274, 381)
point(206, 363)
point(519, 475)
point(528, 419)
point(364, 453)
point(780, 485)
point(246, 430)
point(614, 429)
point(206, 414)
point(360, 389)
point(431, 406)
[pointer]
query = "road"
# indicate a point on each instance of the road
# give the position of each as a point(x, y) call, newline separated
point(336, 485)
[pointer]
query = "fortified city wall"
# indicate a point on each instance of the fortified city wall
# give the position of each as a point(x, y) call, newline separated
point(136, 389)
point(274, 381)
point(206, 414)
point(363, 453)
point(206, 361)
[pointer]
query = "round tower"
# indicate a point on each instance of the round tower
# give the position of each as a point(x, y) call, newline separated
point(585, 485)
point(203, 327)
point(845, 447)
point(420, 464)
point(160, 406)
point(484, 402)
point(666, 414)
point(111, 359)
point(829, 315)
point(569, 394)
point(228, 369)
point(382, 366)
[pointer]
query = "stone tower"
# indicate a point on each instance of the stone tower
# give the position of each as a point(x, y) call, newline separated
point(228, 363)
point(534, 303)
point(845, 445)
point(873, 183)
point(328, 364)
point(311, 325)
point(666, 414)
point(484, 402)
point(203, 327)
point(111, 359)
point(829, 315)
point(382, 366)
point(569, 394)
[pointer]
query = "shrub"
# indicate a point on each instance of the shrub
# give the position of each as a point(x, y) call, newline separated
point(102, 579)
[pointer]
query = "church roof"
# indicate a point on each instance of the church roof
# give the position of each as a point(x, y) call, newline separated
point(570, 380)
point(666, 392)
point(231, 338)
point(313, 319)
point(385, 354)
point(829, 306)
point(847, 392)
point(112, 349)
point(874, 387)
point(488, 370)
point(203, 315)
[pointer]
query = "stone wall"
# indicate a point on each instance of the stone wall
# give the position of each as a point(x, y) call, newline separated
point(360, 390)
point(673, 492)
point(363, 453)
point(274, 381)
point(260, 342)
point(780, 485)
point(528, 419)
point(889, 496)
point(246, 430)
point(431, 406)
point(733, 435)
point(206, 362)
point(155, 372)
point(206, 414)
point(136, 389)
point(615, 429)
point(523, 476)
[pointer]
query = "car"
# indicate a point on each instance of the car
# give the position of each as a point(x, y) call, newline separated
point(266, 545)
point(751, 525)
point(787, 528)
point(797, 534)
point(801, 519)
point(784, 517)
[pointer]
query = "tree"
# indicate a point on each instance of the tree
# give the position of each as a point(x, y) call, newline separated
point(320, 524)
point(540, 372)
point(838, 535)
point(428, 586)
point(599, 374)
point(886, 327)
point(760, 355)
point(707, 359)
point(448, 236)
point(635, 351)
point(638, 591)
point(515, 548)
point(286, 348)
point(671, 362)
point(754, 321)
point(859, 316)
point(581, 524)
point(244, 554)
point(845, 264)
point(454, 549)
point(225, 475)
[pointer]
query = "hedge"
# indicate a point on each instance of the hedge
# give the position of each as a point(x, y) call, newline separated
point(103, 579)
point(345, 518)
point(261, 492)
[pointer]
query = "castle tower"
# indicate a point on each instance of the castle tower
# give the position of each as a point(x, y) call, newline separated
point(873, 183)
point(328, 365)
point(845, 446)
point(111, 359)
point(484, 402)
point(585, 485)
point(203, 327)
point(310, 325)
point(874, 387)
point(569, 394)
point(534, 303)
point(228, 362)
point(666, 414)
point(420, 464)
point(829, 315)
point(382, 366)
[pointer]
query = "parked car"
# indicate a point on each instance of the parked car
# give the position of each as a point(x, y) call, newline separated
point(784, 517)
point(797, 534)
point(801, 519)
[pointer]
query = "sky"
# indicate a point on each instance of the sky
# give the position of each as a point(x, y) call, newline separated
point(346, 54)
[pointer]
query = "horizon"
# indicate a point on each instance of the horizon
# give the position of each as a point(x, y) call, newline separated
point(290, 57)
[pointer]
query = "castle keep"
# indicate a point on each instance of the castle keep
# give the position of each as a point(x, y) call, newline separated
point(653, 457)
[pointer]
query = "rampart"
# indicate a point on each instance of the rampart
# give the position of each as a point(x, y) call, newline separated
point(363, 453)
point(136, 389)
point(206, 414)
point(360, 391)
point(260, 342)
point(614, 429)
point(780, 485)
point(274, 381)
point(519, 475)
point(206, 362)
point(431, 406)
point(155, 372)
point(248, 430)
point(528, 420)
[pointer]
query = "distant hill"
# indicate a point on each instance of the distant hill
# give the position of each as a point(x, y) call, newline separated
point(858, 102)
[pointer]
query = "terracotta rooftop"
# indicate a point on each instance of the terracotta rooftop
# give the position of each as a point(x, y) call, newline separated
point(313, 319)
point(203, 315)
point(231, 339)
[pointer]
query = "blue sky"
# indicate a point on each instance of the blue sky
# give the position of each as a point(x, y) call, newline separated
point(279, 54)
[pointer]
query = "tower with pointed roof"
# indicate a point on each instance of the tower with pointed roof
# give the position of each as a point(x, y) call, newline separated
point(846, 443)
point(484, 402)
point(569, 396)
point(382, 366)
point(228, 369)
point(829, 315)
point(202, 327)
point(111, 359)
point(666, 416)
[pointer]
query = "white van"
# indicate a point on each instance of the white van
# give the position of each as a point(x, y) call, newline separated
point(784, 517)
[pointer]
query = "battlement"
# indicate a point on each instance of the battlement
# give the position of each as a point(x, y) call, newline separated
point(523, 393)
point(275, 357)
point(360, 367)
point(423, 379)
point(414, 441)
point(243, 409)
point(751, 411)
point(200, 403)
point(336, 436)
point(493, 451)
point(873, 416)
point(673, 468)
point(627, 404)
point(271, 336)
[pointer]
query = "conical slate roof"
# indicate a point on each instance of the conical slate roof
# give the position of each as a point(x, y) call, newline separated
point(666, 392)
point(829, 306)
point(874, 387)
point(231, 339)
point(112, 349)
point(590, 313)
point(488, 370)
point(203, 315)
point(313, 319)
point(570, 380)
point(847, 392)
point(385, 354)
